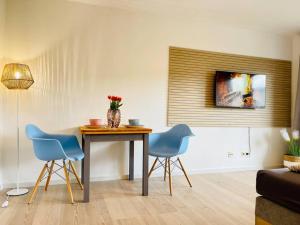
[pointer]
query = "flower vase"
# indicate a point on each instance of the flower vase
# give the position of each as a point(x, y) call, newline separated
point(113, 118)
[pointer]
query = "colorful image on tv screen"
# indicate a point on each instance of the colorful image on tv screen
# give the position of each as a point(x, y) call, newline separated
point(240, 90)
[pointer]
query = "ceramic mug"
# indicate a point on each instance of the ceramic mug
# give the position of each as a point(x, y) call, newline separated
point(95, 122)
point(134, 122)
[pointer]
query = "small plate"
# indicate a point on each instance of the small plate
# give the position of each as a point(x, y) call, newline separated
point(133, 126)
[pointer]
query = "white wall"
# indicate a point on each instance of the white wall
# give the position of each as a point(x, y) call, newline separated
point(79, 54)
point(2, 34)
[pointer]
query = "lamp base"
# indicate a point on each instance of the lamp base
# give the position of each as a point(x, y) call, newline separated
point(17, 192)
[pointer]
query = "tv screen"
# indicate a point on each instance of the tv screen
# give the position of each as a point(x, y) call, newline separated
point(240, 90)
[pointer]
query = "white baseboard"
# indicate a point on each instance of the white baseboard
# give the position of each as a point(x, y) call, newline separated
point(155, 174)
point(233, 169)
point(57, 181)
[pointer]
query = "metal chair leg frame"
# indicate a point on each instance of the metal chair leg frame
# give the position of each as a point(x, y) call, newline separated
point(55, 172)
point(161, 164)
point(167, 169)
point(43, 175)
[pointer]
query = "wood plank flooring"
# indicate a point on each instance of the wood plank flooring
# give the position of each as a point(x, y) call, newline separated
point(215, 199)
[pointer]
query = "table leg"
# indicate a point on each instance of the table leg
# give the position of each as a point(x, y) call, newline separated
point(131, 160)
point(86, 169)
point(145, 164)
point(82, 161)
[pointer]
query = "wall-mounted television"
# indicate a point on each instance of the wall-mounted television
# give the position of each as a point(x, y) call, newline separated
point(240, 90)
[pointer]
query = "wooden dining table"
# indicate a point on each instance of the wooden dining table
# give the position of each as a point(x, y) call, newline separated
point(105, 134)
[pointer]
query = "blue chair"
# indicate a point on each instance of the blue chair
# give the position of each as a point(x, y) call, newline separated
point(167, 145)
point(49, 148)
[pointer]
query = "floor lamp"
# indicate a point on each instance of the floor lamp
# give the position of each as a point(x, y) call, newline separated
point(17, 77)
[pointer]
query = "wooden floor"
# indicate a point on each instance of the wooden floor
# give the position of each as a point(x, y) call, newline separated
point(220, 199)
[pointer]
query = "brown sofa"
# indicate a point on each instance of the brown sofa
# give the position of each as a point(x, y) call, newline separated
point(279, 203)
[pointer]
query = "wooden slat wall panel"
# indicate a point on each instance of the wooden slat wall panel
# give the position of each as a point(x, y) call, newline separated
point(191, 90)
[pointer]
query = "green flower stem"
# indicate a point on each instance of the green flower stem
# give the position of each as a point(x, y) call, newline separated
point(115, 105)
point(294, 148)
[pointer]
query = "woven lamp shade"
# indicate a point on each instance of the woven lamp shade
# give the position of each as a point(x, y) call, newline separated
point(17, 76)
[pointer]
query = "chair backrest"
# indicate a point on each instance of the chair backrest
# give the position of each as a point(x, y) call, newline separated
point(44, 148)
point(180, 131)
point(33, 131)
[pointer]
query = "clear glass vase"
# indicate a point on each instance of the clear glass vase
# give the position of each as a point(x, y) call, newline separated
point(113, 118)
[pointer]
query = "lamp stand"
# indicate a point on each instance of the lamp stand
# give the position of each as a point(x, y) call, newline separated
point(18, 191)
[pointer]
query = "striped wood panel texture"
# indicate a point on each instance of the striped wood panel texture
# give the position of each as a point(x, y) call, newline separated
point(192, 86)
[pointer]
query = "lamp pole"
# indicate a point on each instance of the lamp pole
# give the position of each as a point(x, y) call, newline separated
point(18, 191)
point(18, 142)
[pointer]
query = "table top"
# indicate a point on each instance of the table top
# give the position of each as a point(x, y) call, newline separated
point(119, 130)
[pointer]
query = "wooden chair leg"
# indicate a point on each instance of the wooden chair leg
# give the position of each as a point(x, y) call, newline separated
point(76, 175)
point(68, 182)
point(152, 168)
point(49, 176)
point(37, 183)
point(165, 172)
point(170, 177)
point(185, 174)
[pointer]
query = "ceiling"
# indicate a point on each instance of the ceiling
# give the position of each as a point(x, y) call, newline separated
point(276, 16)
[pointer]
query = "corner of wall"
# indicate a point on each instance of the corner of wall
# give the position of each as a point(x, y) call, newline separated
point(295, 70)
point(1, 135)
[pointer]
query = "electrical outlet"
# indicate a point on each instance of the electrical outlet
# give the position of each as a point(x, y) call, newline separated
point(229, 154)
point(247, 154)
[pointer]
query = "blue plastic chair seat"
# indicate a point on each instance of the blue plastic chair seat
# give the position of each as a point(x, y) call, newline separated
point(74, 154)
point(165, 152)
